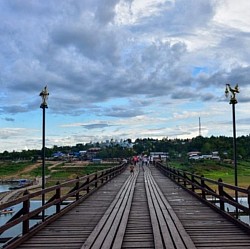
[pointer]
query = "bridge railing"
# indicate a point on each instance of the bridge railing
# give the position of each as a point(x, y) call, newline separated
point(219, 198)
point(60, 199)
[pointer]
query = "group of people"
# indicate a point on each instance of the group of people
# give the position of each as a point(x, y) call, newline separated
point(142, 160)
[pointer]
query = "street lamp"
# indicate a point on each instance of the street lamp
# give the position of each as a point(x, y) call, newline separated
point(44, 95)
point(234, 101)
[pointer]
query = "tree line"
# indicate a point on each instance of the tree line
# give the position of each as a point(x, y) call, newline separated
point(174, 147)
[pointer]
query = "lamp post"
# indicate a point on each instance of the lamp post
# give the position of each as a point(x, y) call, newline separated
point(233, 102)
point(44, 95)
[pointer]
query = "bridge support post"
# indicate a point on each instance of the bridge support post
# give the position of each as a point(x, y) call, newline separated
point(185, 177)
point(102, 178)
point(96, 183)
point(77, 187)
point(87, 183)
point(248, 197)
point(203, 193)
point(221, 193)
point(26, 209)
point(58, 196)
point(178, 176)
point(192, 177)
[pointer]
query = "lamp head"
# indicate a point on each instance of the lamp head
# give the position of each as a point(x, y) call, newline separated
point(233, 92)
point(44, 95)
point(226, 91)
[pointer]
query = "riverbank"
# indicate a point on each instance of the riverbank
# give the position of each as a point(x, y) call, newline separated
point(14, 194)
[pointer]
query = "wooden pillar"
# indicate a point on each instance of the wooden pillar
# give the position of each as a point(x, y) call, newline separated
point(221, 194)
point(58, 196)
point(77, 188)
point(248, 197)
point(87, 182)
point(26, 209)
point(96, 182)
point(192, 177)
point(102, 178)
point(185, 177)
point(203, 193)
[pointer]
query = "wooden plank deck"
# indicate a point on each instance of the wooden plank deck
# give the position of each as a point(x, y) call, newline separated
point(168, 230)
point(208, 229)
point(109, 232)
point(139, 232)
point(156, 200)
point(72, 229)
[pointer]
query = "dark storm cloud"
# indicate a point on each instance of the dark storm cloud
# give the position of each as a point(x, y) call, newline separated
point(9, 119)
point(95, 126)
point(15, 109)
point(123, 112)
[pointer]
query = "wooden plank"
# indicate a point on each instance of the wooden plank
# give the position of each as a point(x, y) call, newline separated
point(199, 220)
point(173, 211)
point(166, 240)
point(81, 220)
point(116, 233)
point(154, 221)
point(178, 233)
point(139, 232)
point(104, 233)
point(123, 224)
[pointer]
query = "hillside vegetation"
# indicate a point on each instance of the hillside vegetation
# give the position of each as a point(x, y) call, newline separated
point(215, 170)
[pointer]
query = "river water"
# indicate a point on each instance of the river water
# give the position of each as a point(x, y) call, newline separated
point(5, 187)
point(16, 230)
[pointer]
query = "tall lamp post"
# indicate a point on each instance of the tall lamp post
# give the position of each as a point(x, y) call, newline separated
point(233, 102)
point(44, 95)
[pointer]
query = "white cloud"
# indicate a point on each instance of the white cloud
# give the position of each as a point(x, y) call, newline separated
point(127, 68)
point(234, 14)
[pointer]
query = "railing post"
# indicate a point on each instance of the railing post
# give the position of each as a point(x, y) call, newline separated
point(26, 209)
point(77, 187)
point(170, 172)
point(192, 177)
point(102, 177)
point(87, 182)
point(221, 194)
point(174, 172)
point(203, 193)
point(107, 173)
point(248, 197)
point(58, 196)
point(165, 170)
point(96, 183)
point(178, 176)
point(185, 177)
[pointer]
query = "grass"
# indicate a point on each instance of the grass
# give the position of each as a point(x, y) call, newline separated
point(61, 172)
point(12, 168)
point(215, 170)
point(66, 171)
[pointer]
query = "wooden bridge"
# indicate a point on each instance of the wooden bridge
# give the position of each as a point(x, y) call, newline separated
point(156, 207)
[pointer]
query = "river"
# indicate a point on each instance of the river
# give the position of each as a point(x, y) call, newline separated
point(16, 230)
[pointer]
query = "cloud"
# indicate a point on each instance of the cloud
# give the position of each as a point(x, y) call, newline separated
point(120, 61)
point(10, 119)
point(95, 126)
point(123, 112)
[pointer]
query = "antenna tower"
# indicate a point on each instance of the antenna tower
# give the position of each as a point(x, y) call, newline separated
point(199, 126)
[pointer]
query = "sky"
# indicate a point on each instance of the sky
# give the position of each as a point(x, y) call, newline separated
point(119, 69)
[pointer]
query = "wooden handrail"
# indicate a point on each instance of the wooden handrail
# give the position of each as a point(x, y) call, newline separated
point(84, 185)
point(197, 186)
